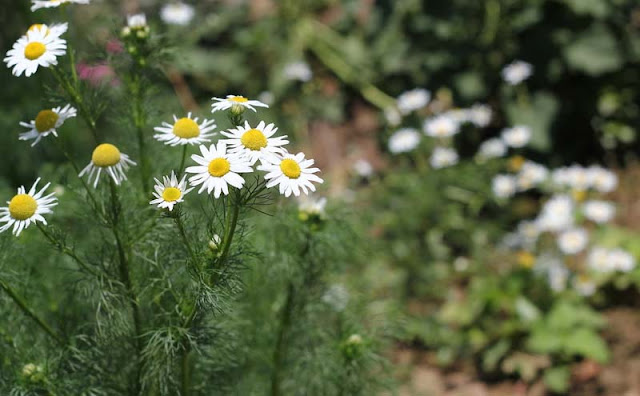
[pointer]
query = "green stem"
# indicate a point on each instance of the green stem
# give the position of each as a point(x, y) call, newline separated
point(185, 240)
point(27, 311)
point(139, 120)
point(75, 97)
point(186, 367)
point(184, 157)
point(65, 250)
point(125, 277)
point(230, 226)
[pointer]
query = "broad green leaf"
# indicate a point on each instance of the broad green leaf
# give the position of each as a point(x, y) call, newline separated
point(587, 343)
point(595, 8)
point(557, 379)
point(594, 51)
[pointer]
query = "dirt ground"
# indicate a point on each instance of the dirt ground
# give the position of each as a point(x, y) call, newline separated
point(621, 377)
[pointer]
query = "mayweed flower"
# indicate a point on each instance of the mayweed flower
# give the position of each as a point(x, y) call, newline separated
point(46, 123)
point(609, 260)
point(442, 157)
point(531, 174)
point(621, 260)
point(217, 169)
point(170, 191)
point(599, 211)
point(573, 241)
point(492, 148)
point(528, 232)
point(237, 104)
point(255, 143)
point(137, 21)
point(393, 116)
point(516, 72)
point(298, 71)
point(441, 126)
point(214, 243)
point(57, 29)
point(516, 137)
point(37, 4)
point(311, 208)
point(26, 208)
point(363, 168)
point(413, 100)
point(583, 285)
point(185, 130)
point(177, 14)
point(291, 173)
point(557, 277)
point(556, 214)
point(336, 297)
point(503, 186)
point(108, 157)
point(39, 47)
point(479, 115)
point(403, 140)
point(602, 180)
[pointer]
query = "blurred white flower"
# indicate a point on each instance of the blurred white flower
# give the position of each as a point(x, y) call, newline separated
point(557, 275)
point(584, 286)
point(413, 100)
point(531, 174)
point(442, 157)
point(602, 180)
point(363, 168)
point(266, 97)
point(503, 186)
point(516, 72)
point(517, 136)
point(608, 260)
point(573, 241)
point(337, 297)
point(441, 126)
point(177, 13)
point(299, 71)
point(492, 148)
point(393, 116)
point(556, 214)
point(621, 260)
point(404, 140)
point(479, 115)
point(599, 211)
point(312, 205)
point(528, 232)
point(136, 21)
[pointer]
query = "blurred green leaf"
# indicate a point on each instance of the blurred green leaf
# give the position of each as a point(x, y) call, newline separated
point(594, 52)
point(595, 8)
point(557, 379)
point(585, 342)
point(538, 115)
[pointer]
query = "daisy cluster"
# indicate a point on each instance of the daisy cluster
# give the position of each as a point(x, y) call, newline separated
point(441, 126)
point(558, 242)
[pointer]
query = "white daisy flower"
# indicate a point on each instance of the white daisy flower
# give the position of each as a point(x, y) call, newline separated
point(255, 143)
point(531, 174)
point(170, 191)
point(291, 173)
point(298, 71)
point(185, 130)
point(413, 100)
point(235, 103)
point(573, 241)
point(37, 4)
point(57, 29)
point(107, 157)
point(37, 48)
point(217, 169)
point(46, 122)
point(599, 211)
point(441, 126)
point(363, 168)
point(312, 206)
point(621, 260)
point(136, 21)
point(503, 186)
point(393, 116)
point(403, 140)
point(177, 14)
point(442, 157)
point(516, 72)
point(516, 137)
point(529, 232)
point(601, 179)
point(584, 285)
point(556, 214)
point(26, 208)
point(479, 115)
point(492, 148)
point(598, 260)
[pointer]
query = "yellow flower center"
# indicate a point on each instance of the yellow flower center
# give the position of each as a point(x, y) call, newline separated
point(238, 99)
point(171, 194)
point(186, 128)
point(46, 120)
point(219, 167)
point(34, 50)
point(526, 259)
point(254, 139)
point(579, 195)
point(22, 206)
point(38, 26)
point(290, 168)
point(105, 155)
point(516, 162)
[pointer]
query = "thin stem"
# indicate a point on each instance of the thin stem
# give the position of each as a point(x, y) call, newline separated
point(186, 367)
point(184, 157)
point(185, 240)
point(139, 120)
point(125, 276)
point(27, 311)
point(65, 250)
point(77, 101)
point(230, 227)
